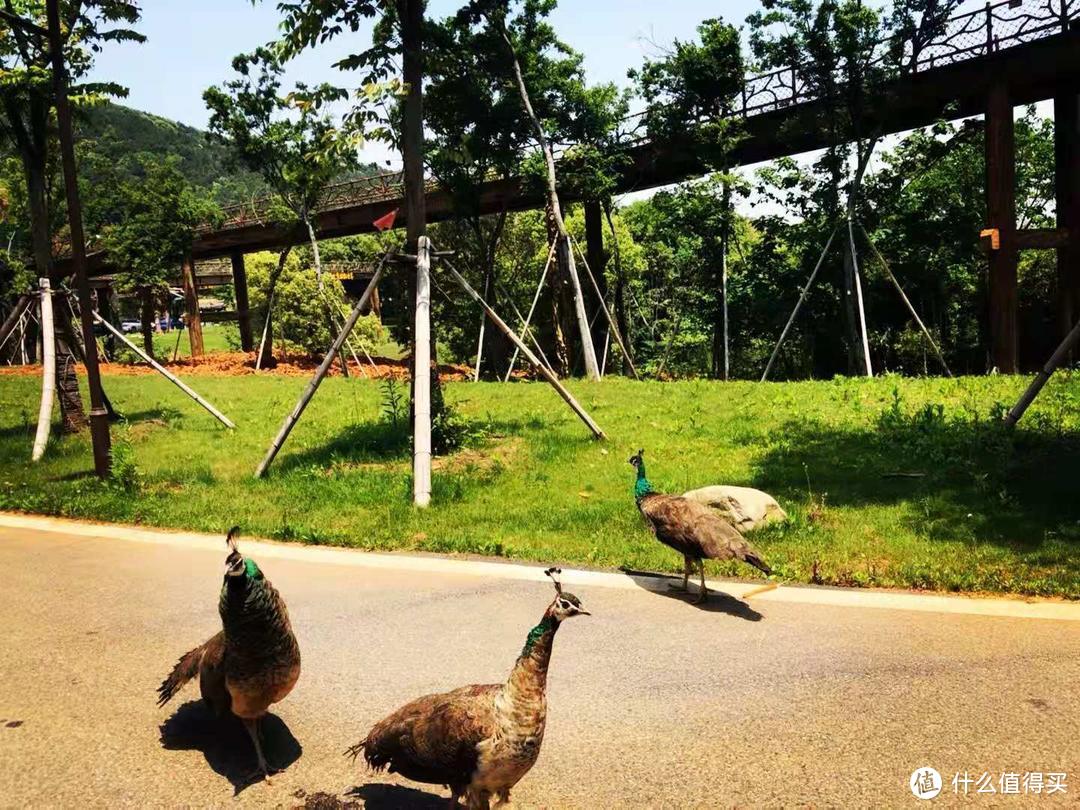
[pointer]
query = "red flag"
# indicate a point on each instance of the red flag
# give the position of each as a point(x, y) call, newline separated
point(386, 221)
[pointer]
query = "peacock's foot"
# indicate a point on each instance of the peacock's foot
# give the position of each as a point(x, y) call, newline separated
point(702, 597)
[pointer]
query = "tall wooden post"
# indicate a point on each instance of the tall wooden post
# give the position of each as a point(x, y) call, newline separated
point(1001, 211)
point(243, 308)
point(1067, 184)
point(597, 259)
point(191, 300)
point(99, 416)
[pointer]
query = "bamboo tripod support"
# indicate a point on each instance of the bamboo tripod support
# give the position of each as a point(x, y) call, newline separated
point(320, 373)
point(48, 379)
point(612, 326)
point(532, 308)
point(532, 358)
point(164, 372)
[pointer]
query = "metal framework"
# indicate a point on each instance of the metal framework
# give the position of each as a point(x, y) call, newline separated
point(996, 27)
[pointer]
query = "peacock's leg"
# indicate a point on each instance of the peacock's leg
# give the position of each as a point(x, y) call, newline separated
point(502, 799)
point(704, 595)
point(686, 577)
point(252, 727)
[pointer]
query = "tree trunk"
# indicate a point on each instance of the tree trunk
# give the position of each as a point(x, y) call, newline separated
point(562, 324)
point(265, 354)
point(191, 301)
point(563, 251)
point(146, 295)
point(72, 413)
point(620, 293)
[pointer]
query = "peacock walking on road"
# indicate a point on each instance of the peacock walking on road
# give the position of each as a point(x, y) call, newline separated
point(690, 528)
point(254, 661)
point(477, 740)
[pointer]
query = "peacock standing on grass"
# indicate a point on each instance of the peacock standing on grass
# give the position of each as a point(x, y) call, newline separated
point(477, 740)
point(690, 528)
point(254, 661)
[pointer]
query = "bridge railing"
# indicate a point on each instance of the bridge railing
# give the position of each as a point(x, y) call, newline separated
point(970, 35)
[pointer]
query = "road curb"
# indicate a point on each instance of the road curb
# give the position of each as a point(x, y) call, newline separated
point(797, 594)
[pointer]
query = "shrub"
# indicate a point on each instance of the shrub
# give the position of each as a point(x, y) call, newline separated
point(301, 312)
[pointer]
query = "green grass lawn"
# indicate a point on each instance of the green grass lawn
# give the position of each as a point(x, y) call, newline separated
point(217, 337)
point(978, 509)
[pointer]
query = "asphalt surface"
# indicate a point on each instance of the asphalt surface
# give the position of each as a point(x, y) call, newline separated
point(653, 702)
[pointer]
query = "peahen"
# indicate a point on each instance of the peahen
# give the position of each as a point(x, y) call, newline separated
point(477, 740)
point(691, 529)
point(253, 661)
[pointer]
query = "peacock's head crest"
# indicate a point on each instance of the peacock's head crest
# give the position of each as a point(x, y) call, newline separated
point(236, 564)
point(566, 605)
point(637, 461)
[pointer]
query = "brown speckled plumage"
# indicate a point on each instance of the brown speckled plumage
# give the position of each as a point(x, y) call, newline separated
point(478, 740)
point(692, 529)
point(254, 661)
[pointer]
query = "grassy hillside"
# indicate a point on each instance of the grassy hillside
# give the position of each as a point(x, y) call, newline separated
point(890, 482)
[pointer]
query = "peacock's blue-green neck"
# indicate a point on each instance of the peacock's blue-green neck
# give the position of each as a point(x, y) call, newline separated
point(548, 624)
point(642, 487)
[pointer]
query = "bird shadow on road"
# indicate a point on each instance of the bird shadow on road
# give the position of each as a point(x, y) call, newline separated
point(718, 601)
point(377, 795)
point(226, 744)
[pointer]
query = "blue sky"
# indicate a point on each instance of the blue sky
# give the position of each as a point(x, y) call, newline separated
point(191, 42)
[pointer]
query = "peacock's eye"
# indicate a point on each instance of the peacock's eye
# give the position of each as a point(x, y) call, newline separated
point(564, 604)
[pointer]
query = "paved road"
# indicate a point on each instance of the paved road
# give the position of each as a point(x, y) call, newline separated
point(653, 702)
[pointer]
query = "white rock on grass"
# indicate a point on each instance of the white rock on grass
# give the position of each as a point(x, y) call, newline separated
point(745, 507)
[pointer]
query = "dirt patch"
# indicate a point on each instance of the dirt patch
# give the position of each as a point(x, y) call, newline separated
point(237, 364)
point(481, 459)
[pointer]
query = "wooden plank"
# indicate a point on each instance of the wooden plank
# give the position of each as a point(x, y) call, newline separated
point(1001, 209)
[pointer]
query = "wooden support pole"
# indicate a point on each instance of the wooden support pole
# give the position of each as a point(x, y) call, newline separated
point(888, 272)
point(613, 327)
point(191, 301)
point(1067, 185)
point(532, 308)
point(596, 258)
point(1062, 352)
point(422, 377)
point(545, 372)
point(243, 307)
point(1001, 208)
point(48, 381)
point(168, 375)
point(320, 374)
point(14, 317)
point(798, 305)
point(859, 300)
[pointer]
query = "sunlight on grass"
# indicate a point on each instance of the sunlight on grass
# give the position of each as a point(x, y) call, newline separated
point(888, 482)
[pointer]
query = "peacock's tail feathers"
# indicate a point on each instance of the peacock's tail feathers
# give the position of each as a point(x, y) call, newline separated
point(189, 666)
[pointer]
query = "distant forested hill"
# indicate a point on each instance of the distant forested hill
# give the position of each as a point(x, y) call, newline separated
point(116, 132)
